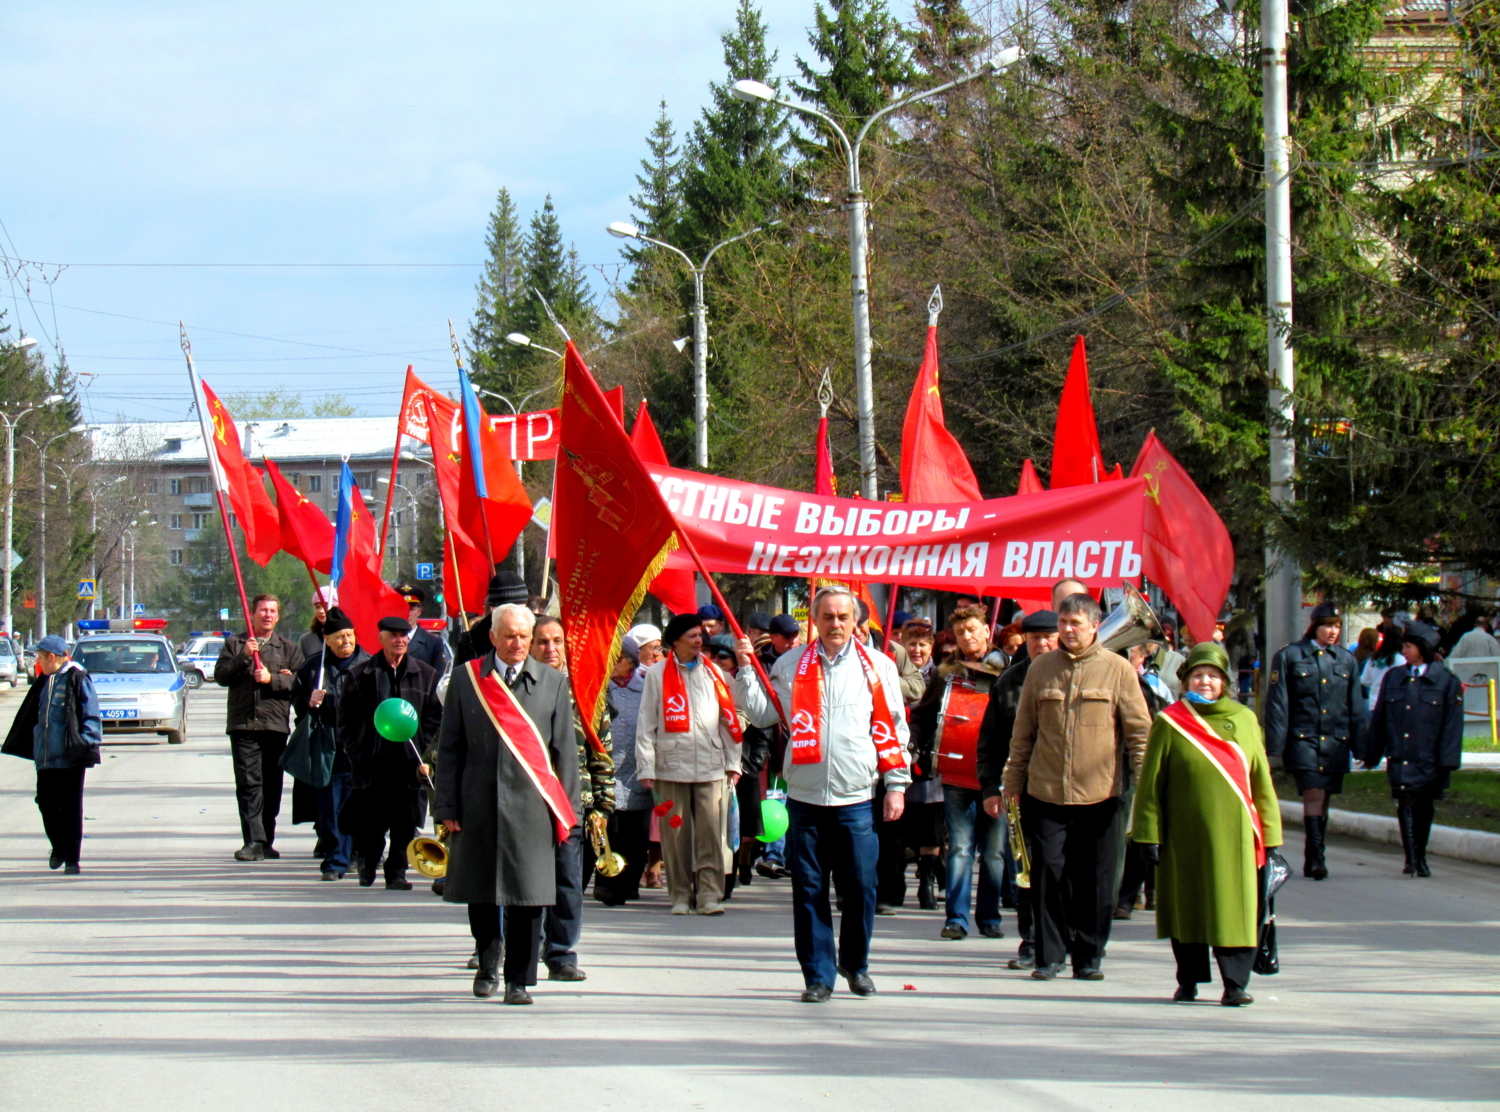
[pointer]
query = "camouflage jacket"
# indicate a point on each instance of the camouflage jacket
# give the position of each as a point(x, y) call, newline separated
point(596, 771)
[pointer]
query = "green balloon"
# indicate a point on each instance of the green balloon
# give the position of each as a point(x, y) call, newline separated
point(396, 720)
point(773, 820)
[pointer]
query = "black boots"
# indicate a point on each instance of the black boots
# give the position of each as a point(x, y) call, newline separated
point(487, 978)
point(1403, 819)
point(1313, 864)
point(1421, 830)
point(927, 873)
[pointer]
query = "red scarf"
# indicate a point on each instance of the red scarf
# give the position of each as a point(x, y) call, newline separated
point(807, 712)
point(520, 735)
point(1225, 756)
point(675, 712)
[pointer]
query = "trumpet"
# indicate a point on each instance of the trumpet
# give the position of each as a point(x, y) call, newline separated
point(1018, 849)
point(429, 856)
point(606, 860)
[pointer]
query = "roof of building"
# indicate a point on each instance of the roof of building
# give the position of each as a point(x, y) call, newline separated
point(301, 438)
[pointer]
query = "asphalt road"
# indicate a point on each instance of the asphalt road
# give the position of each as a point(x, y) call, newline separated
point(168, 976)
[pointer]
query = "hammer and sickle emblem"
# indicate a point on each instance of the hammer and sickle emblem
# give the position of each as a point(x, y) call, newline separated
point(676, 704)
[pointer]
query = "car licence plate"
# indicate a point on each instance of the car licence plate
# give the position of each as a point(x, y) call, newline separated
point(119, 714)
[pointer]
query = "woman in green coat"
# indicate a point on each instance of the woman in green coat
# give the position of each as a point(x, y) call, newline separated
point(1206, 811)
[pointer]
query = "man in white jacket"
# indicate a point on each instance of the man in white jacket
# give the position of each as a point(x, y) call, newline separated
point(848, 729)
point(687, 748)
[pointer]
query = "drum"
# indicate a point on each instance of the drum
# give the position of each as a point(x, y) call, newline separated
point(957, 743)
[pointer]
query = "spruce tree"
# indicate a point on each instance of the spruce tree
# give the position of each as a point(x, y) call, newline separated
point(868, 65)
point(658, 206)
point(498, 292)
point(947, 42)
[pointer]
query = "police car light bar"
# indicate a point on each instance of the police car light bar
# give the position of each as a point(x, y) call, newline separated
point(121, 625)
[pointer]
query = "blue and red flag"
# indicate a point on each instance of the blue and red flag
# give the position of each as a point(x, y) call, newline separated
point(487, 479)
point(363, 595)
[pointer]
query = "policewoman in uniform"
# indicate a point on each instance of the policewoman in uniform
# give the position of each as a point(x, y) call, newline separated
point(1315, 717)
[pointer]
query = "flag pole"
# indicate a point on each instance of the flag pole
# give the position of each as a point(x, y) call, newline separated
point(890, 621)
point(214, 470)
point(390, 495)
point(484, 518)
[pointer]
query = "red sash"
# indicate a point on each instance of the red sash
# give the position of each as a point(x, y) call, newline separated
point(1224, 755)
point(807, 712)
point(525, 743)
point(677, 714)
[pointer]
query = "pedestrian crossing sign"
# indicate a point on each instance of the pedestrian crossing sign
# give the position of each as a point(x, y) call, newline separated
point(86, 590)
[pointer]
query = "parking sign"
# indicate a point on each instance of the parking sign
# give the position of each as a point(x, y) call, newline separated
point(424, 571)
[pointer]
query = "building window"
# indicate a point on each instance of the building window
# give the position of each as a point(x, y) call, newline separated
point(198, 520)
point(176, 521)
point(198, 484)
point(314, 483)
point(176, 555)
point(151, 487)
point(365, 480)
point(174, 486)
point(295, 478)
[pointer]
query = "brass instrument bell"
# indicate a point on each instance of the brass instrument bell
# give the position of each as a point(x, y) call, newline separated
point(1129, 624)
point(606, 860)
point(429, 856)
point(1018, 849)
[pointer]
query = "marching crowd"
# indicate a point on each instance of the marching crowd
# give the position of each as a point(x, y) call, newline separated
point(1083, 781)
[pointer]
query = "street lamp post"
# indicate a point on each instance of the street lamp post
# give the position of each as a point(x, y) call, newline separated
point(857, 207)
point(620, 230)
point(41, 488)
point(10, 495)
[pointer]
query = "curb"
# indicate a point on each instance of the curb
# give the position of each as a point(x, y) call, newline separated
point(1446, 841)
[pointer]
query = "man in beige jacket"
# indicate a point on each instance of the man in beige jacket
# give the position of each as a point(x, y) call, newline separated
point(685, 753)
point(1081, 717)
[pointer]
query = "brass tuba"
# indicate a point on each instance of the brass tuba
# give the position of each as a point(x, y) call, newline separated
point(429, 856)
point(1018, 849)
point(606, 860)
point(1129, 624)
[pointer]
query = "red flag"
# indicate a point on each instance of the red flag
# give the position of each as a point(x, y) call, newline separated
point(1185, 548)
point(614, 534)
point(242, 482)
point(1076, 456)
point(306, 532)
point(675, 589)
point(467, 556)
point(363, 595)
point(933, 465)
point(1030, 484)
point(825, 481)
point(616, 400)
point(487, 478)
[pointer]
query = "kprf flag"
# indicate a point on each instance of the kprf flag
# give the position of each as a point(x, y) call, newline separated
point(355, 568)
point(1076, 456)
point(1185, 548)
point(933, 465)
point(613, 534)
point(306, 532)
point(675, 589)
point(242, 482)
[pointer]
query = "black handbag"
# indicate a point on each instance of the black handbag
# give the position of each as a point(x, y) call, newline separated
point(1267, 961)
point(1273, 876)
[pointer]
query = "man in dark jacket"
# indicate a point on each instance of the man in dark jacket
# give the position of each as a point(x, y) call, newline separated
point(58, 729)
point(503, 832)
point(424, 646)
point(385, 779)
point(1418, 727)
point(260, 703)
point(473, 643)
point(315, 697)
point(1314, 719)
point(1040, 631)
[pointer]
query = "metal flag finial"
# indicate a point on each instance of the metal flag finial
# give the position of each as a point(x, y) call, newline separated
point(825, 391)
point(557, 324)
point(453, 343)
point(934, 306)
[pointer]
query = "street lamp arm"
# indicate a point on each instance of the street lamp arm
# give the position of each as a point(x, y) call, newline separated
point(850, 157)
point(735, 239)
point(679, 252)
point(925, 94)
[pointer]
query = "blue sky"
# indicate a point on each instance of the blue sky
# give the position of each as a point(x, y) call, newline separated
point(333, 132)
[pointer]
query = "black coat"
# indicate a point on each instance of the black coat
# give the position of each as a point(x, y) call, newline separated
point(1418, 727)
point(21, 740)
point(429, 649)
point(1315, 714)
point(999, 723)
point(258, 706)
point(372, 759)
point(505, 852)
point(325, 718)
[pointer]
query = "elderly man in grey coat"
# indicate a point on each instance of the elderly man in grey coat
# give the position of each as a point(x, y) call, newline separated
point(506, 786)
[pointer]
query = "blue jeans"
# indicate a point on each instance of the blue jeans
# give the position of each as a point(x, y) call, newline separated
point(775, 852)
point(967, 824)
point(330, 799)
point(837, 841)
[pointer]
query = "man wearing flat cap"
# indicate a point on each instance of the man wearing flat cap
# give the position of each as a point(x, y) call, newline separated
point(1040, 633)
point(386, 779)
point(1315, 717)
point(423, 646)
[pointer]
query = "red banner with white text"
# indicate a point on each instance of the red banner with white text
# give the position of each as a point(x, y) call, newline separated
point(1092, 533)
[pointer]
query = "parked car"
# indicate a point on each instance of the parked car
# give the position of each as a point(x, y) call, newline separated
point(10, 664)
point(198, 657)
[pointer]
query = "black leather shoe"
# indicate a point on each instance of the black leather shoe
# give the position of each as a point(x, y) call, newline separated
point(271, 854)
point(398, 884)
point(516, 994)
point(1027, 962)
point(366, 879)
point(55, 861)
point(1236, 998)
point(1047, 972)
point(954, 932)
point(71, 869)
point(486, 982)
point(816, 994)
point(250, 851)
point(991, 930)
point(330, 874)
point(861, 985)
point(473, 960)
point(1185, 994)
point(771, 871)
point(1124, 911)
point(1088, 973)
point(567, 973)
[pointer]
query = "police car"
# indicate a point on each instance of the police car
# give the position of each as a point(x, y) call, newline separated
point(199, 655)
point(141, 690)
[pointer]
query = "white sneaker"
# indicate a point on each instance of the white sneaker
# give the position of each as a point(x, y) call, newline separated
point(711, 909)
point(681, 909)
